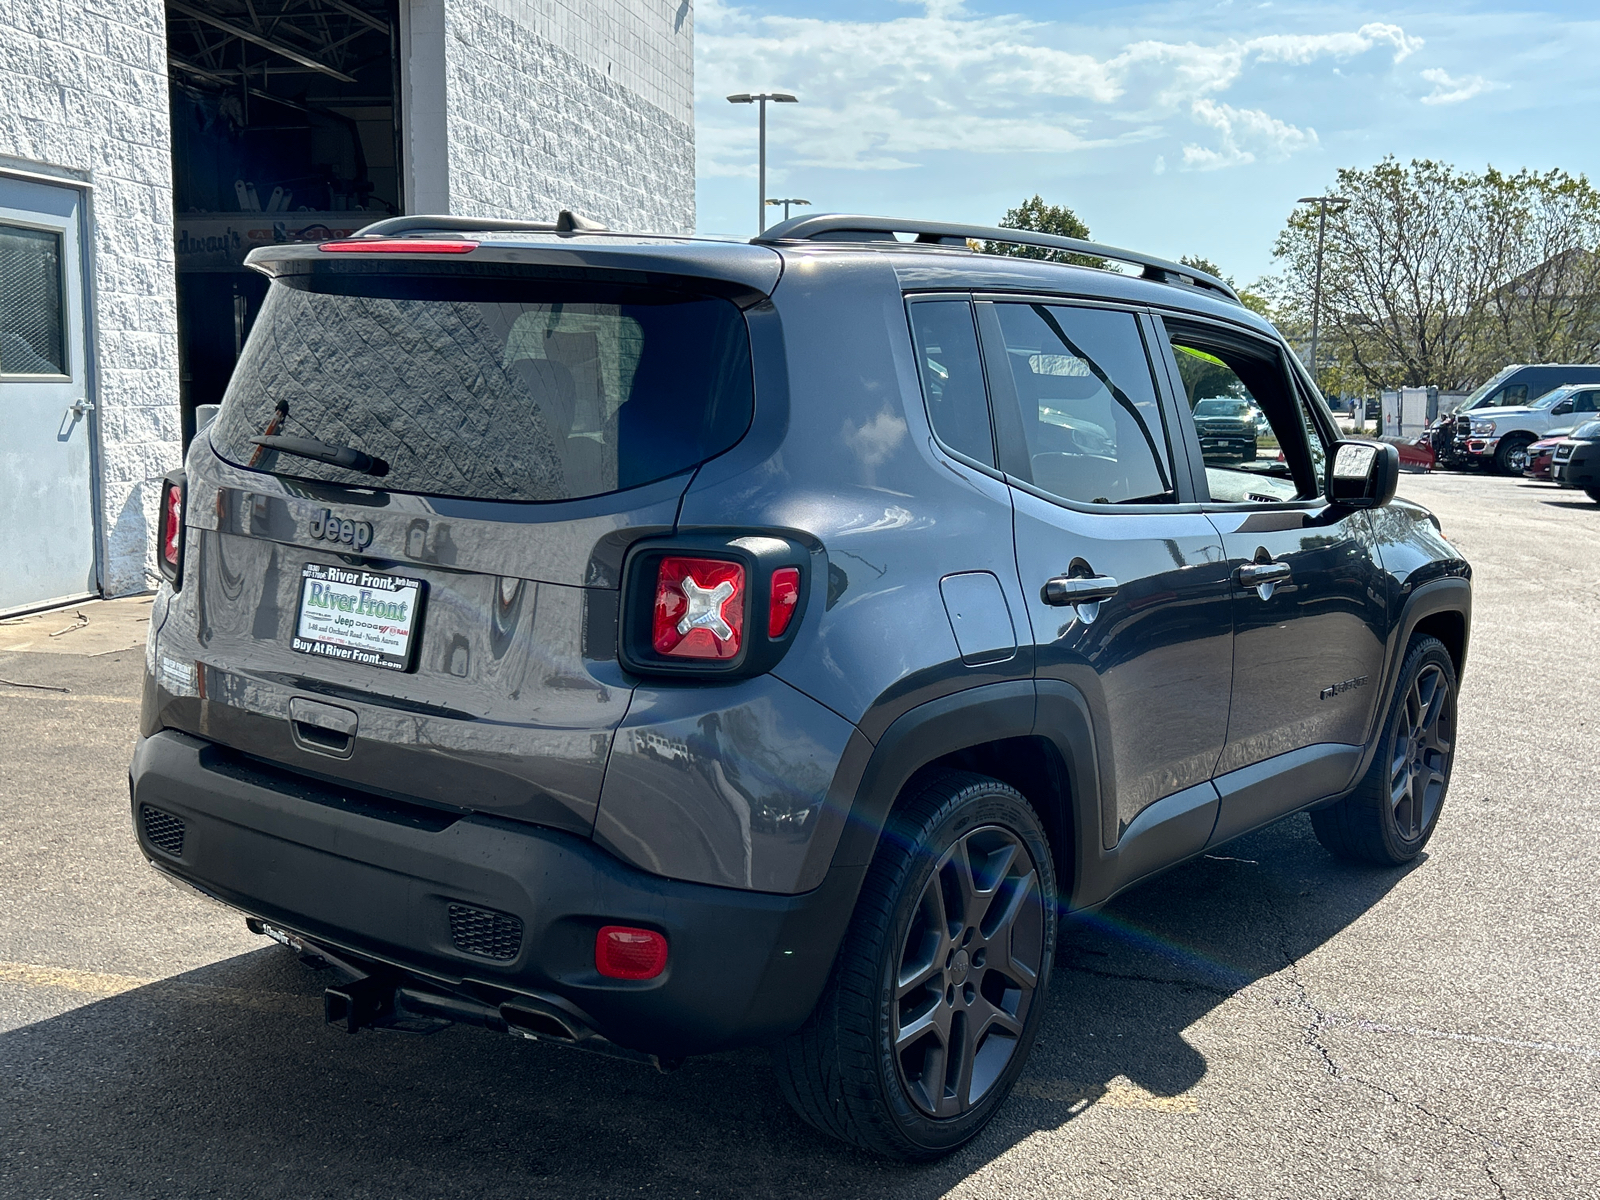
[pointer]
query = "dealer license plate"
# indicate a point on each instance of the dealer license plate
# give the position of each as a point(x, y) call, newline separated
point(357, 616)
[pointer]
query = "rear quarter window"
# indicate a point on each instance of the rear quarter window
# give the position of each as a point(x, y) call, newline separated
point(488, 388)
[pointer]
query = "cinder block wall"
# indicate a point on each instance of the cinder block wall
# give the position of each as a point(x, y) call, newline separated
point(581, 104)
point(85, 88)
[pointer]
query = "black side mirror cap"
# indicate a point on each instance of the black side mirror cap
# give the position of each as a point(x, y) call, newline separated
point(1362, 474)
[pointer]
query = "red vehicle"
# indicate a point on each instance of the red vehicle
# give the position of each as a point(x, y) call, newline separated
point(1539, 454)
point(1416, 454)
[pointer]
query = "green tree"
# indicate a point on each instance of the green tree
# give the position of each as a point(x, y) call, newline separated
point(1251, 300)
point(1438, 277)
point(1036, 216)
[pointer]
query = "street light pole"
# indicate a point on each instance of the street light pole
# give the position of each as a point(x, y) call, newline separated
point(1323, 203)
point(786, 204)
point(761, 98)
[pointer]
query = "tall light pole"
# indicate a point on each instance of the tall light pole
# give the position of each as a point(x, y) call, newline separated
point(761, 99)
point(786, 204)
point(1323, 203)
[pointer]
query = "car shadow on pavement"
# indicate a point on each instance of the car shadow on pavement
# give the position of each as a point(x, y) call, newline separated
point(224, 1081)
point(1583, 503)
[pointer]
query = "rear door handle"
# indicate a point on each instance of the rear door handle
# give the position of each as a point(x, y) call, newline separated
point(1076, 589)
point(1254, 574)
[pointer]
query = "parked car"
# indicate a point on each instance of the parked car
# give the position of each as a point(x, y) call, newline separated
point(1540, 452)
point(656, 646)
point(1227, 428)
point(1500, 437)
point(1516, 387)
point(1575, 463)
point(1416, 454)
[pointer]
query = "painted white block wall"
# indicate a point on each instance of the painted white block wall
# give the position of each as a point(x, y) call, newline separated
point(83, 86)
point(520, 108)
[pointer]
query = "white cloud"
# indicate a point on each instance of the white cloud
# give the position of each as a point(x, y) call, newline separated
point(1449, 90)
point(1243, 133)
point(886, 95)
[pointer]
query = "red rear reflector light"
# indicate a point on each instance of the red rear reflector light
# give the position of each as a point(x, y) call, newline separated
point(623, 952)
point(699, 608)
point(785, 598)
point(171, 524)
point(396, 246)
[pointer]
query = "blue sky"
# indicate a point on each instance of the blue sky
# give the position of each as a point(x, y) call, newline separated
point(1174, 128)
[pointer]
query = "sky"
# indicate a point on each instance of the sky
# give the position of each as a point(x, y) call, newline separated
point(1171, 128)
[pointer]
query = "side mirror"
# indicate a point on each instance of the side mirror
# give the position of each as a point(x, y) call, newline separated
point(1362, 474)
point(1561, 409)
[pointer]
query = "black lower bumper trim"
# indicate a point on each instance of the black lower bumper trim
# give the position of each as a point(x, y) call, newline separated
point(743, 966)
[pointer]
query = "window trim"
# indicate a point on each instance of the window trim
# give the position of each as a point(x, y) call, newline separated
point(1009, 438)
point(990, 469)
point(67, 347)
point(1295, 384)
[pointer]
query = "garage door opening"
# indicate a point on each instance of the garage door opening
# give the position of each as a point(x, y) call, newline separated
point(284, 119)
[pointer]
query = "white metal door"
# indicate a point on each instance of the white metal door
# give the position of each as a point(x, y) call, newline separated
point(46, 420)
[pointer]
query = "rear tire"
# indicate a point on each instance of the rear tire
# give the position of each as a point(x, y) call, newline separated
point(940, 983)
point(1395, 808)
point(1511, 455)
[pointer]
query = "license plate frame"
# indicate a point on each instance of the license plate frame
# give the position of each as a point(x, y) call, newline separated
point(358, 616)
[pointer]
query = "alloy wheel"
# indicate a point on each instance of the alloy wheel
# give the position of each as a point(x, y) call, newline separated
point(968, 971)
point(1420, 767)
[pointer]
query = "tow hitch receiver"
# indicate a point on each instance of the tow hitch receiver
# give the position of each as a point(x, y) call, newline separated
point(360, 1002)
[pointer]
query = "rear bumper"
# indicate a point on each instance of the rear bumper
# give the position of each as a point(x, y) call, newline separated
point(377, 879)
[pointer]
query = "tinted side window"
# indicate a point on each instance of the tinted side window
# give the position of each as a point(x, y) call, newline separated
point(1091, 421)
point(1584, 402)
point(952, 376)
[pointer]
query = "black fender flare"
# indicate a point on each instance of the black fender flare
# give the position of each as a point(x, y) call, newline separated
point(1451, 593)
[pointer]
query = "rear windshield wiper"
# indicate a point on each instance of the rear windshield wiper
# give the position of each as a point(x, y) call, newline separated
point(347, 457)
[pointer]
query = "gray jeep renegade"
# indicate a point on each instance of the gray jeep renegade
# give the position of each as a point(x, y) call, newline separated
point(657, 645)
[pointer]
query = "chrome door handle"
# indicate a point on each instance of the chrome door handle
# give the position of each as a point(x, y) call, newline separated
point(1255, 574)
point(1077, 589)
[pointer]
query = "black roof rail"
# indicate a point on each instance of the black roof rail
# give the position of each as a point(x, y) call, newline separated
point(828, 227)
point(566, 222)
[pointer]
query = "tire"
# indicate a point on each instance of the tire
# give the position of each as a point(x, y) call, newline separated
point(1395, 808)
point(902, 976)
point(1511, 455)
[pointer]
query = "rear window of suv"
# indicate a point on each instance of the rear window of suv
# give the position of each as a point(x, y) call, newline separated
point(497, 388)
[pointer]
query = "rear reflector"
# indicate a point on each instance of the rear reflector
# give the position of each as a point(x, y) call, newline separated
point(785, 596)
point(699, 608)
point(623, 952)
point(397, 246)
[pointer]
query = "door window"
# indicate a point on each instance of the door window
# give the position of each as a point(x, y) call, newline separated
point(1092, 430)
point(32, 317)
point(952, 377)
point(1584, 402)
point(1257, 439)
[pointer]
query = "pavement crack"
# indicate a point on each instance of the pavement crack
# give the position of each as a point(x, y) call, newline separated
point(1127, 977)
point(1312, 1033)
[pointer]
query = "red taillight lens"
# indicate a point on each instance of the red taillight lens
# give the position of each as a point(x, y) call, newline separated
point(172, 524)
point(169, 528)
point(699, 608)
point(785, 598)
point(397, 246)
point(623, 952)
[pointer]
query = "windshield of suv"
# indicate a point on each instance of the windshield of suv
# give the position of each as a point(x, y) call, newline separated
point(490, 387)
point(1488, 386)
point(1222, 408)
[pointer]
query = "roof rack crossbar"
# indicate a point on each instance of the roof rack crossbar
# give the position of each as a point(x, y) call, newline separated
point(947, 233)
point(566, 222)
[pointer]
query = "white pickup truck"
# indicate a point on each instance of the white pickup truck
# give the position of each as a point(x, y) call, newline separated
point(1501, 436)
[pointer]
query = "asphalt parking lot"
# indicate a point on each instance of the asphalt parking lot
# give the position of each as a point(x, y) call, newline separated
point(1260, 1022)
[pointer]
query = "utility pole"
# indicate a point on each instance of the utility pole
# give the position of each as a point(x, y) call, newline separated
point(786, 204)
point(761, 98)
point(1323, 203)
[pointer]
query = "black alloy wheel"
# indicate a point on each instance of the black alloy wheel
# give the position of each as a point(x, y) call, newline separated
point(1390, 815)
point(969, 968)
point(940, 984)
point(1420, 760)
